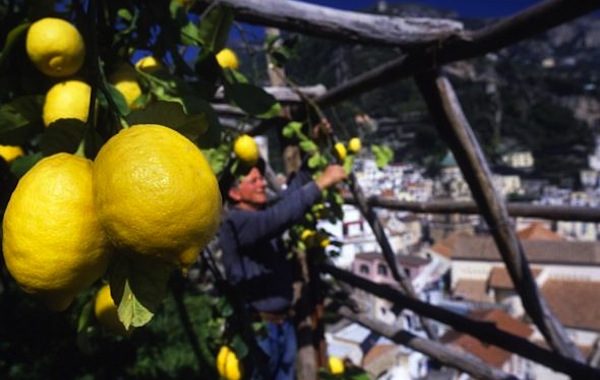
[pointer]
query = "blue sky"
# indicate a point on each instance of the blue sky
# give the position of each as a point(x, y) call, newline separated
point(465, 8)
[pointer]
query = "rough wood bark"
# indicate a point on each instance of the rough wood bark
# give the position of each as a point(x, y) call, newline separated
point(565, 213)
point(345, 26)
point(455, 130)
point(462, 361)
point(484, 331)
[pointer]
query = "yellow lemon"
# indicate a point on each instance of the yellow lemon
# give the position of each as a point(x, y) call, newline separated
point(156, 194)
point(106, 312)
point(124, 78)
point(339, 150)
point(54, 246)
point(354, 145)
point(246, 149)
point(336, 365)
point(10, 152)
point(227, 59)
point(149, 64)
point(228, 365)
point(69, 99)
point(55, 47)
point(308, 236)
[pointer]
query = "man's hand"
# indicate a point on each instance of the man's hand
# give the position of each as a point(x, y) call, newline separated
point(332, 175)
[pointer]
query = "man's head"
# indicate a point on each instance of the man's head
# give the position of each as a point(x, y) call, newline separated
point(249, 190)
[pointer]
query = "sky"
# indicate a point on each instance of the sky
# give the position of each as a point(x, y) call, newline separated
point(465, 8)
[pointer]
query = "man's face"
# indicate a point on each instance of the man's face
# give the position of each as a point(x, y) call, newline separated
point(251, 192)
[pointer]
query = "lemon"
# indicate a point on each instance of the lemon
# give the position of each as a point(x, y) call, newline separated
point(124, 78)
point(149, 64)
point(227, 59)
point(106, 312)
point(156, 194)
point(336, 365)
point(68, 99)
point(55, 47)
point(339, 150)
point(246, 149)
point(354, 145)
point(10, 152)
point(307, 236)
point(228, 364)
point(53, 244)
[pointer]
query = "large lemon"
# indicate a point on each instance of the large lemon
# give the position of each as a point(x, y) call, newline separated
point(69, 99)
point(55, 47)
point(106, 312)
point(10, 152)
point(246, 149)
point(228, 364)
point(53, 244)
point(124, 78)
point(228, 59)
point(156, 194)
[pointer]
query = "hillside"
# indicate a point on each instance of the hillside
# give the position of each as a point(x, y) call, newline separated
point(541, 95)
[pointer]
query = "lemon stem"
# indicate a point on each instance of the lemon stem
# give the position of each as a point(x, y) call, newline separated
point(80, 149)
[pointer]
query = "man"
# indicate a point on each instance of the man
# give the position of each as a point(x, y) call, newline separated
point(256, 262)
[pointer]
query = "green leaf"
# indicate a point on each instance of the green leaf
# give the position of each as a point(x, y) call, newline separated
point(215, 27)
point(22, 164)
point(315, 161)
point(12, 37)
point(125, 14)
point(383, 155)
point(291, 129)
point(173, 115)
point(138, 287)
point(20, 119)
point(252, 99)
point(63, 135)
point(308, 146)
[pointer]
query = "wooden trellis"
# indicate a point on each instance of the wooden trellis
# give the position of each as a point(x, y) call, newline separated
point(426, 45)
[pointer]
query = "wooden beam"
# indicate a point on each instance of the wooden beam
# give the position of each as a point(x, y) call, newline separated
point(515, 209)
point(462, 361)
point(455, 130)
point(344, 26)
point(484, 331)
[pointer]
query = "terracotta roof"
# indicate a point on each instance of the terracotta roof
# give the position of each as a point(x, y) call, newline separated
point(538, 231)
point(500, 279)
point(575, 303)
point(483, 247)
point(490, 354)
point(377, 351)
point(472, 290)
point(445, 247)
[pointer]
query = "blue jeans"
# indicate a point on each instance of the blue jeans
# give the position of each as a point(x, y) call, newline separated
point(279, 345)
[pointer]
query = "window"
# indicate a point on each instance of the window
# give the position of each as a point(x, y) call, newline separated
point(382, 270)
point(364, 269)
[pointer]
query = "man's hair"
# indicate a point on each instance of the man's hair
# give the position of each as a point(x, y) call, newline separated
point(234, 173)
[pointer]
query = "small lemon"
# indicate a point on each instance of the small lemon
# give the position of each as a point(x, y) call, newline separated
point(55, 47)
point(156, 194)
point(106, 312)
point(227, 59)
point(336, 365)
point(10, 152)
point(68, 99)
point(149, 64)
point(228, 364)
point(354, 145)
point(124, 78)
point(53, 244)
point(307, 236)
point(246, 149)
point(339, 150)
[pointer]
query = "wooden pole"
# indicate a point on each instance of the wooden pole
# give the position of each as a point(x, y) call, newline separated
point(455, 130)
